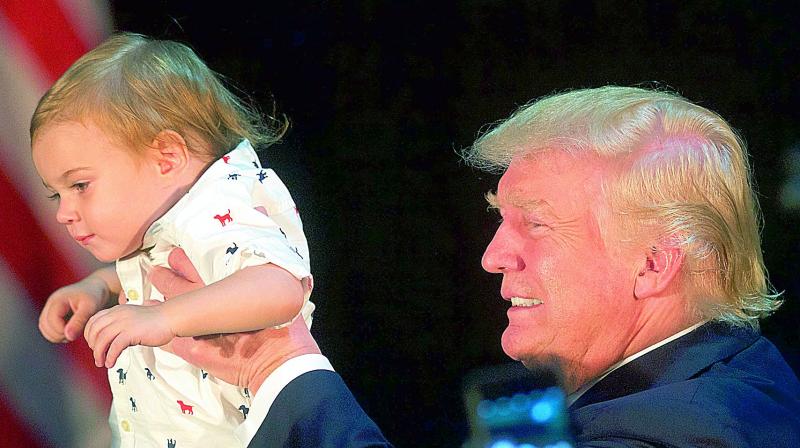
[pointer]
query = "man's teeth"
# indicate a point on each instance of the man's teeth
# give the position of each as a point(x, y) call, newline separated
point(519, 301)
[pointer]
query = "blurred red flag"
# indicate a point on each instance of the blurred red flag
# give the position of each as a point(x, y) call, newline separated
point(50, 395)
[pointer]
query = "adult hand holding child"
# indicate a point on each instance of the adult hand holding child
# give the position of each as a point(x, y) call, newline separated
point(243, 359)
point(302, 404)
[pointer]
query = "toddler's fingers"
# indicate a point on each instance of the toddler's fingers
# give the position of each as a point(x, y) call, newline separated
point(76, 323)
point(102, 341)
point(51, 336)
point(116, 347)
point(49, 333)
point(51, 321)
point(95, 324)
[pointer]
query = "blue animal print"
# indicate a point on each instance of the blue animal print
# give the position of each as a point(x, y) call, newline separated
point(150, 375)
point(297, 252)
point(122, 375)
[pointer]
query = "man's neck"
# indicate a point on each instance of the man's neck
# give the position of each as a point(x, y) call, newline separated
point(573, 397)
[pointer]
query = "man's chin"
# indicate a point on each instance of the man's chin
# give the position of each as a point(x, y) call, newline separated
point(532, 358)
point(513, 347)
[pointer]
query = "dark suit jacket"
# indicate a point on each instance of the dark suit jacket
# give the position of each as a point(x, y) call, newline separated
point(317, 410)
point(717, 386)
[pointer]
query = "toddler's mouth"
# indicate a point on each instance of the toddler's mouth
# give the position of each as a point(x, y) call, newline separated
point(84, 239)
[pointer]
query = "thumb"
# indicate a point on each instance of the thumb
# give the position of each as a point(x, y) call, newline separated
point(180, 263)
point(168, 347)
point(169, 283)
point(74, 328)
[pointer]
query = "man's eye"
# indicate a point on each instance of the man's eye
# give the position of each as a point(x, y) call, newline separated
point(54, 197)
point(536, 225)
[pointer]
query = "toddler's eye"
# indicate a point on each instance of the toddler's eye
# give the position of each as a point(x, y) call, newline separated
point(80, 186)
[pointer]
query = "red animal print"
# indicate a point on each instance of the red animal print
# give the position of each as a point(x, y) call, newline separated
point(224, 218)
point(185, 408)
point(226, 158)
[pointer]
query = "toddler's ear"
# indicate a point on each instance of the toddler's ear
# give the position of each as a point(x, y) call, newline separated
point(169, 151)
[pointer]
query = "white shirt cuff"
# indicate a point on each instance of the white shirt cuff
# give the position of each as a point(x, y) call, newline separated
point(272, 386)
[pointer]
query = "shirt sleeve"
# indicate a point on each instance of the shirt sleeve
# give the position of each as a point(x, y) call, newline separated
point(237, 222)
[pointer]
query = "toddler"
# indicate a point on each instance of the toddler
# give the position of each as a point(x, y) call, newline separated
point(145, 151)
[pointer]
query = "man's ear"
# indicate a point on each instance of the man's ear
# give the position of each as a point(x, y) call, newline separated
point(170, 152)
point(659, 270)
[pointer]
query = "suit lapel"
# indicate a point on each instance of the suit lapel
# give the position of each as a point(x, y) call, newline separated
point(678, 360)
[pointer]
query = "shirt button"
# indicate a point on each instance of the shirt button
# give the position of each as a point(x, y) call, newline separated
point(132, 294)
point(126, 426)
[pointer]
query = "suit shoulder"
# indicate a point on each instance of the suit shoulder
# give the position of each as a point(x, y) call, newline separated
point(729, 411)
point(318, 410)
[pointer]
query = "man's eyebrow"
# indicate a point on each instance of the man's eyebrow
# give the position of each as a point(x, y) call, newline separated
point(491, 198)
point(531, 205)
point(519, 200)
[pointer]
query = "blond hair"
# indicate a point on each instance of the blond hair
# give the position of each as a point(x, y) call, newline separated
point(134, 87)
point(683, 176)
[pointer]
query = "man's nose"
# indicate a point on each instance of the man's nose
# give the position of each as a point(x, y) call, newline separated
point(66, 213)
point(500, 256)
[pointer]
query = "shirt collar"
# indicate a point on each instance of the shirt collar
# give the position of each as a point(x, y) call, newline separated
point(573, 397)
point(241, 158)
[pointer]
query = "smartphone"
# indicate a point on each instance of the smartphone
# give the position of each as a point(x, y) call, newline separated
point(509, 406)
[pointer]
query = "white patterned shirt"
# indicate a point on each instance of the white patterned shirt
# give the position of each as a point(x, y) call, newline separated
point(237, 214)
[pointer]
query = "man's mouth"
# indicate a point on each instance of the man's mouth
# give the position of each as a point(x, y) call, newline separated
point(520, 301)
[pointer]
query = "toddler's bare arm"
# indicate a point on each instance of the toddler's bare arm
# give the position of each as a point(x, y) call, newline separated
point(251, 299)
point(254, 298)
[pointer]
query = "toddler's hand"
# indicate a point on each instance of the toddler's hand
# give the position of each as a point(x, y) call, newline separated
point(111, 331)
point(67, 309)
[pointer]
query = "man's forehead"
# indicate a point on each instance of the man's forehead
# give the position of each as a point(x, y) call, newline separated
point(539, 180)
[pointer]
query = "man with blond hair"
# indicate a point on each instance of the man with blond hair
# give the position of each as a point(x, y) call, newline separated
point(631, 258)
point(630, 254)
